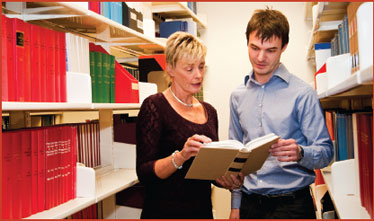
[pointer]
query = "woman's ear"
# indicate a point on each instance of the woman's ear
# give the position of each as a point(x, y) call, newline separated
point(170, 70)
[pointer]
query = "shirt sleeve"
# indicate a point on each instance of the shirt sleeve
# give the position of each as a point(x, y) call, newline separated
point(318, 151)
point(148, 132)
point(236, 197)
point(235, 131)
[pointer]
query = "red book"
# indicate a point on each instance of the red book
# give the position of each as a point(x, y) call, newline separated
point(7, 185)
point(94, 6)
point(62, 67)
point(11, 51)
point(126, 86)
point(365, 157)
point(330, 123)
point(43, 63)
point(74, 161)
point(27, 60)
point(20, 78)
point(26, 172)
point(41, 168)
point(92, 149)
point(79, 136)
point(4, 63)
point(36, 90)
point(51, 67)
point(55, 165)
point(34, 169)
point(319, 178)
point(49, 176)
point(67, 164)
point(98, 142)
point(22, 58)
point(57, 67)
point(89, 147)
point(16, 176)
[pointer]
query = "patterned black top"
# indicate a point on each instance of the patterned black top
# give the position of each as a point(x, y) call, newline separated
point(160, 131)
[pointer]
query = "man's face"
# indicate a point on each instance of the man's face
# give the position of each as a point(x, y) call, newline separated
point(264, 56)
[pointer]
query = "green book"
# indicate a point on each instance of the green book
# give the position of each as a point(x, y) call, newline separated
point(106, 78)
point(112, 78)
point(99, 78)
point(93, 75)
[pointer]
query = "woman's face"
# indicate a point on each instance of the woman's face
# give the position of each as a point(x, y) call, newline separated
point(188, 74)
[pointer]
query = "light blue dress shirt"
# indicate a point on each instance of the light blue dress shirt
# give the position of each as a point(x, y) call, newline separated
point(289, 108)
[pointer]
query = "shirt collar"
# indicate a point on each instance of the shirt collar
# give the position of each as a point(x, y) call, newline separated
point(281, 72)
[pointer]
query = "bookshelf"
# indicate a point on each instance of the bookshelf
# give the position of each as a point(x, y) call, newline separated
point(176, 10)
point(325, 22)
point(353, 93)
point(347, 206)
point(107, 184)
point(357, 86)
point(70, 17)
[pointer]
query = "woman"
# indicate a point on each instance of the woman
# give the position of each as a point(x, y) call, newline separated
point(171, 127)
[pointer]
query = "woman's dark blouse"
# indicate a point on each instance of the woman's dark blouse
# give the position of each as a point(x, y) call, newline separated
point(160, 130)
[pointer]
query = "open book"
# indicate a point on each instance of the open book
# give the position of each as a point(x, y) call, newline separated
point(220, 158)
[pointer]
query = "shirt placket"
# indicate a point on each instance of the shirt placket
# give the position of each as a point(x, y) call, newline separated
point(260, 104)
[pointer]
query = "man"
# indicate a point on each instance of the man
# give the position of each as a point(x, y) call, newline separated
point(272, 100)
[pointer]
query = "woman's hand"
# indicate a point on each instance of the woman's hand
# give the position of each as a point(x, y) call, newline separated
point(235, 182)
point(235, 214)
point(192, 145)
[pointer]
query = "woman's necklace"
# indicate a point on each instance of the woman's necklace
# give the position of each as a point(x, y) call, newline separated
point(176, 98)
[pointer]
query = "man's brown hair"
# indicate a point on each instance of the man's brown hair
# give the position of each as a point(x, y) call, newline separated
point(269, 23)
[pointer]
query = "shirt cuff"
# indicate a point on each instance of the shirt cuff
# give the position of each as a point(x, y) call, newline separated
point(236, 197)
point(308, 156)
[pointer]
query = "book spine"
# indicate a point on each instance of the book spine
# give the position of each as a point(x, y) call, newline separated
point(99, 78)
point(63, 95)
point(93, 76)
point(34, 159)
point(11, 59)
point(7, 164)
point(27, 61)
point(4, 55)
point(20, 78)
point(106, 77)
point(57, 62)
point(36, 64)
point(112, 74)
point(26, 162)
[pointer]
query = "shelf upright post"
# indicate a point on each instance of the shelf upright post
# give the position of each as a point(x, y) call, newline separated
point(106, 136)
point(19, 119)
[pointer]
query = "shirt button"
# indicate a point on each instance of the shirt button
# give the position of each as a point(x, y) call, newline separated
point(260, 105)
point(259, 124)
point(263, 86)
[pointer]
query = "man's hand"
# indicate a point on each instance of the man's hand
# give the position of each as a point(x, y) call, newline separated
point(286, 150)
point(235, 214)
point(234, 183)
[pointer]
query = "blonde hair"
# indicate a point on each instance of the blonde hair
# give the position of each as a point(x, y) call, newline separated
point(183, 45)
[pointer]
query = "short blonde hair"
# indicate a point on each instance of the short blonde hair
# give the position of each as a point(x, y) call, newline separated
point(183, 45)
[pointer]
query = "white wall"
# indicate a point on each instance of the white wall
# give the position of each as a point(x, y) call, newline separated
point(228, 61)
point(227, 57)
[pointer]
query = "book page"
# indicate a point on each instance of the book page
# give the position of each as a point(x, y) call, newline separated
point(260, 141)
point(229, 144)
